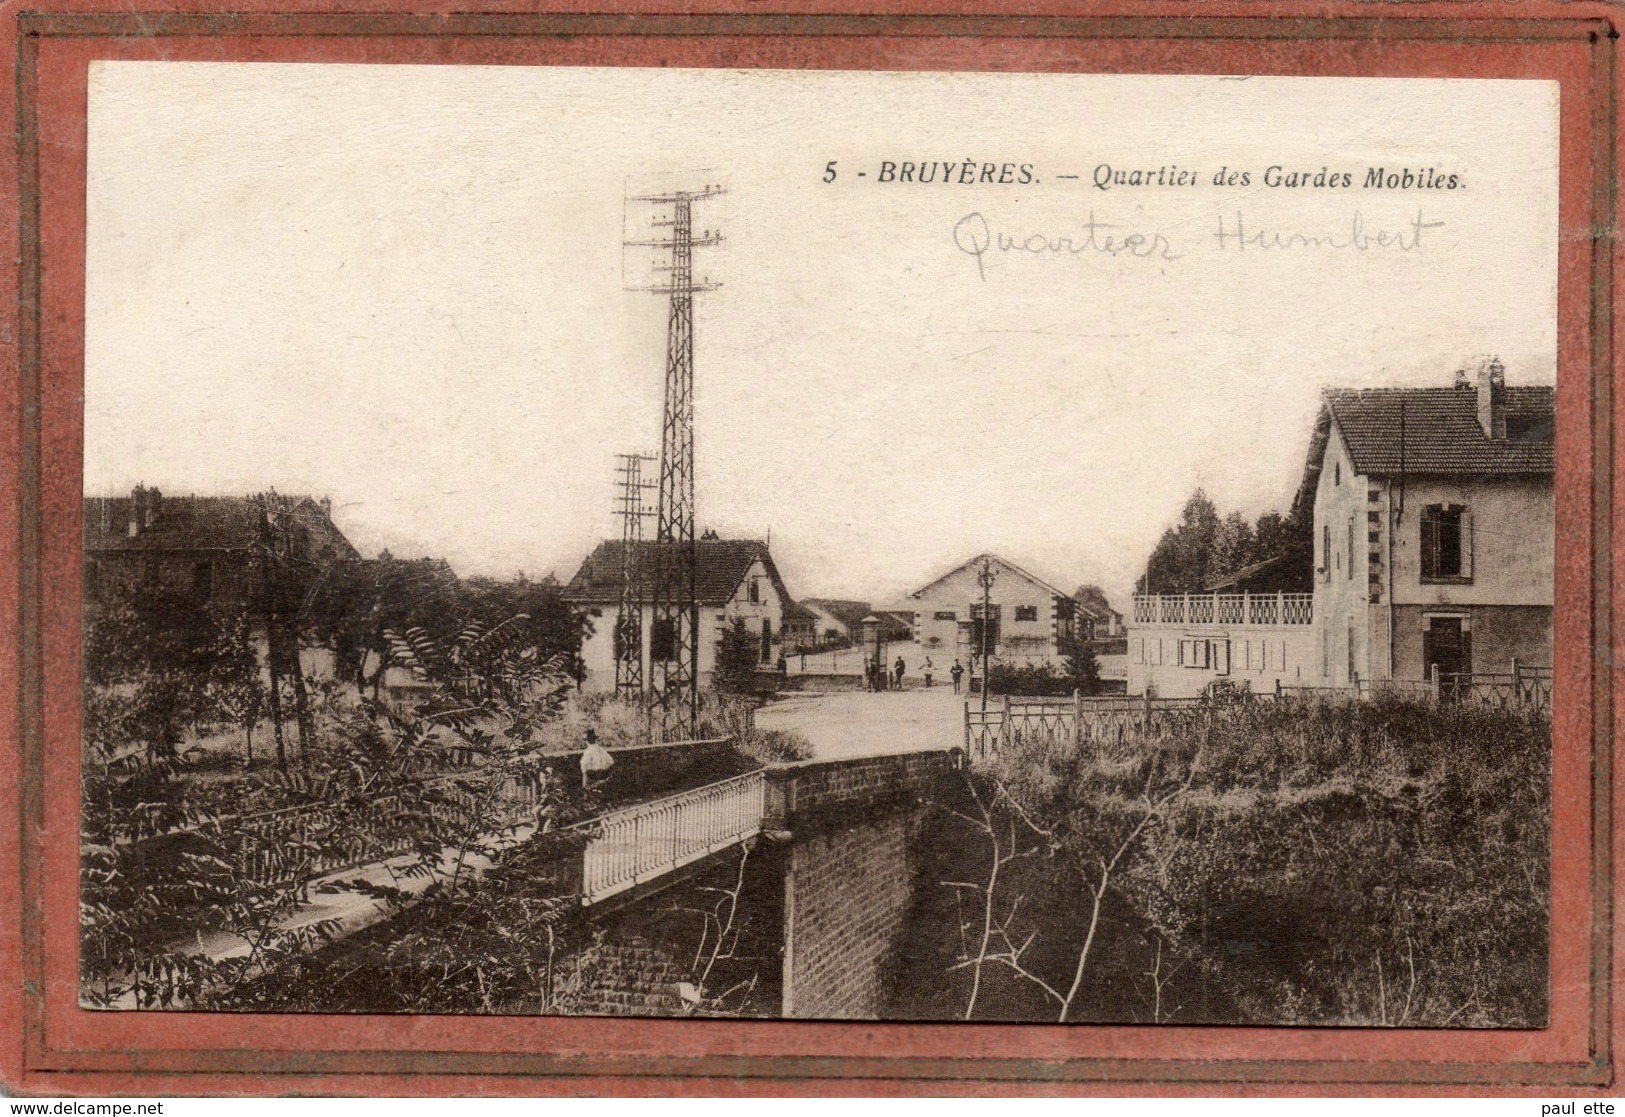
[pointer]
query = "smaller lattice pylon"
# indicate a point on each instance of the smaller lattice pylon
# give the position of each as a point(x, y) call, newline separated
point(628, 633)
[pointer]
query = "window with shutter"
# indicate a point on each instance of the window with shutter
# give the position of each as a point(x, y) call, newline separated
point(1446, 544)
point(1221, 656)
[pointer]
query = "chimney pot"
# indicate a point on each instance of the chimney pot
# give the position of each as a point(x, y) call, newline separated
point(1492, 406)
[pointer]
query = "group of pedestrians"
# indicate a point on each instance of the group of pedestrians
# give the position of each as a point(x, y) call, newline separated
point(878, 679)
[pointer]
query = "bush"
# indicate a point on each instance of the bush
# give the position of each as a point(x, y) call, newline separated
point(1376, 863)
point(1029, 681)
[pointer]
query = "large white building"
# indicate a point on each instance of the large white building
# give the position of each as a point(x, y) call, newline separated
point(1030, 620)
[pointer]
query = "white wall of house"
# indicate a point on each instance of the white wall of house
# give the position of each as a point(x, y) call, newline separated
point(1178, 660)
point(1373, 600)
point(1028, 619)
point(755, 600)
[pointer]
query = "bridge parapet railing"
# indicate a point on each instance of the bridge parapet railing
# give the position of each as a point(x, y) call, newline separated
point(1058, 720)
point(637, 844)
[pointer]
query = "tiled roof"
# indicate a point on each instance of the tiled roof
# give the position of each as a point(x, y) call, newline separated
point(720, 567)
point(1436, 430)
point(977, 561)
point(795, 611)
point(846, 611)
point(193, 523)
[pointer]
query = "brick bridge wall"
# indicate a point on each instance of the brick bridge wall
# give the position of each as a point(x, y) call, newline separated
point(824, 899)
point(849, 876)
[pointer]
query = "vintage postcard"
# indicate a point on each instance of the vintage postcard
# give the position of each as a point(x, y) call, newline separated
point(823, 545)
point(595, 551)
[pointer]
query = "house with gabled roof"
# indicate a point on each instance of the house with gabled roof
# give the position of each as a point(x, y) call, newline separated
point(1432, 512)
point(203, 545)
point(734, 579)
point(1434, 536)
point(836, 620)
point(1029, 620)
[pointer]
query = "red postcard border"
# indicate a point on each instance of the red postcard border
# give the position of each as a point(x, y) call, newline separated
point(62, 1049)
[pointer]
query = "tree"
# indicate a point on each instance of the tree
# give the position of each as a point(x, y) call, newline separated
point(239, 689)
point(1082, 669)
point(352, 605)
point(1183, 561)
point(1204, 548)
point(736, 660)
point(155, 658)
point(552, 625)
point(1093, 598)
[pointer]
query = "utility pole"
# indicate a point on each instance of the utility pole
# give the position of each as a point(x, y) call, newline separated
point(675, 631)
point(985, 578)
point(629, 618)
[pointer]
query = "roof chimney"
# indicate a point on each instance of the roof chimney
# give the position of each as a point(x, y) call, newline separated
point(1462, 379)
point(1492, 398)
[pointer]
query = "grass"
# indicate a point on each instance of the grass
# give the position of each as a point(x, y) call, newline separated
point(1381, 863)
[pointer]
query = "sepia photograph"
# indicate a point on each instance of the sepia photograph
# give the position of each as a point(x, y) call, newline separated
point(823, 545)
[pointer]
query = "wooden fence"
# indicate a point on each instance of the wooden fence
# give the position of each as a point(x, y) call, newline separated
point(1114, 718)
point(1522, 688)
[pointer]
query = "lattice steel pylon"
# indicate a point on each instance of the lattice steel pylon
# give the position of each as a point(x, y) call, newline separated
point(628, 640)
point(674, 635)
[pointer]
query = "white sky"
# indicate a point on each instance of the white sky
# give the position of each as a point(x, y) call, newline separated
point(403, 287)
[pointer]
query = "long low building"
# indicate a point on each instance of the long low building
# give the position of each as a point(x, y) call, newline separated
point(1178, 643)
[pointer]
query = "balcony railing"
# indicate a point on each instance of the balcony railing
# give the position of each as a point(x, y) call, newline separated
point(641, 843)
point(1224, 608)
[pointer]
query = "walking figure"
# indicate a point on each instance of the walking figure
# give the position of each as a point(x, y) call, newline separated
point(956, 672)
point(897, 669)
point(595, 761)
point(926, 670)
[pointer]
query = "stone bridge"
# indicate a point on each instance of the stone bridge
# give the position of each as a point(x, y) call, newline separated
point(826, 884)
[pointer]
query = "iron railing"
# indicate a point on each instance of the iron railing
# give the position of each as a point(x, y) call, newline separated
point(1058, 720)
point(637, 844)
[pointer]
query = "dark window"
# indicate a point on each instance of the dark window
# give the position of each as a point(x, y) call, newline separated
point(1446, 543)
point(1326, 550)
point(663, 640)
point(755, 591)
point(767, 640)
point(1337, 473)
point(1026, 612)
point(992, 629)
point(1351, 549)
